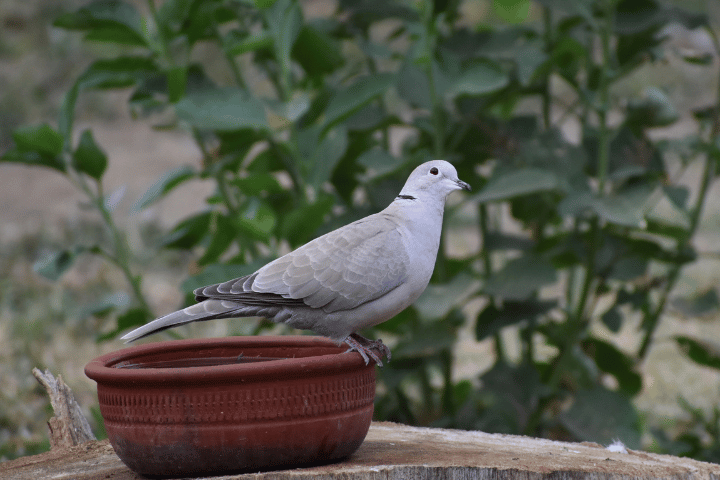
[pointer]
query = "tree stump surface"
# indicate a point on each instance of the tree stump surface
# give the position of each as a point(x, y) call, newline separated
point(392, 451)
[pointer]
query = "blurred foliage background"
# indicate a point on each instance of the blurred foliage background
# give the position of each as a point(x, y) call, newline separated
point(574, 296)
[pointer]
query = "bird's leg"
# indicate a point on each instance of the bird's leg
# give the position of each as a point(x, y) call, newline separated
point(365, 346)
point(378, 344)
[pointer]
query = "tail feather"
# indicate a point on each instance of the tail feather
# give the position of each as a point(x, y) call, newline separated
point(206, 310)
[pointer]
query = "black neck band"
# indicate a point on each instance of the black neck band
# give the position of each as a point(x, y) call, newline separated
point(406, 197)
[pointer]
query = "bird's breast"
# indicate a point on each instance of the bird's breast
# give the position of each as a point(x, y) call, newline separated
point(422, 240)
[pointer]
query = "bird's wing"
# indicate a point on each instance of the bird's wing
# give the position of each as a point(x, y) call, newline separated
point(338, 271)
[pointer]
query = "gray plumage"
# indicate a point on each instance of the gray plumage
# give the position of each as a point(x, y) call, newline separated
point(354, 277)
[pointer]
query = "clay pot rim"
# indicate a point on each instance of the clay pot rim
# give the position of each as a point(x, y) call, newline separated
point(337, 360)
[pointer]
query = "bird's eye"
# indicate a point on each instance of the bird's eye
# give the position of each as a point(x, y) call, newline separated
point(434, 170)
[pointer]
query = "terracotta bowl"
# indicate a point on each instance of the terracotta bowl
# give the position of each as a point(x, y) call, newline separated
point(221, 405)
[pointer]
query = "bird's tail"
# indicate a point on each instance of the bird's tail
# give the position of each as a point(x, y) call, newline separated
point(210, 309)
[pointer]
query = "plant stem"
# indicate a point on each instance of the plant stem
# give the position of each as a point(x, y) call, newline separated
point(120, 254)
point(549, 43)
point(291, 167)
point(230, 59)
point(603, 157)
point(219, 176)
point(484, 231)
point(161, 33)
point(426, 390)
point(448, 403)
point(487, 270)
point(435, 106)
point(594, 236)
point(651, 320)
point(604, 91)
point(577, 321)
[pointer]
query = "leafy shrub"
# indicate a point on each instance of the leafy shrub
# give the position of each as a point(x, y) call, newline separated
point(305, 140)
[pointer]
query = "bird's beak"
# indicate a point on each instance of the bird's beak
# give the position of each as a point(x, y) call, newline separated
point(463, 185)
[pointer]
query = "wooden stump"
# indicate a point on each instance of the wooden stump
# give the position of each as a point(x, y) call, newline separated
point(399, 452)
point(69, 426)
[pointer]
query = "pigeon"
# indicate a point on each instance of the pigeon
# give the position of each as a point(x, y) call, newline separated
point(355, 277)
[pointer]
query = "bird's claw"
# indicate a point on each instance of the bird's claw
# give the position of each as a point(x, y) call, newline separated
point(366, 348)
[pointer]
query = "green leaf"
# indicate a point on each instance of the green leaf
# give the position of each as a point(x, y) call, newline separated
point(301, 223)
point(514, 393)
point(291, 110)
point(378, 163)
point(263, 4)
point(698, 58)
point(512, 11)
point(529, 57)
point(698, 305)
point(611, 360)
point(317, 52)
point(653, 110)
point(129, 319)
point(612, 319)
point(257, 183)
point(584, 8)
point(237, 43)
point(216, 273)
point(371, 117)
point(413, 86)
point(103, 307)
point(601, 415)
point(189, 232)
point(479, 79)
point(173, 13)
point(502, 241)
point(702, 352)
point(88, 158)
point(38, 146)
point(258, 221)
point(118, 72)
point(677, 194)
point(493, 319)
point(164, 185)
point(33, 158)
point(351, 99)
point(177, 83)
point(517, 183)
point(438, 300)
point(115, 34)
point(40, 138)
point(106, 20)
point(53, 265)
point(66, 113)
point(327, 155)
point(625, 208)
point(222, 237)
point(659, 227)
point(222, 109)
point(284, 21)
point(521, 277)
point(429, 340)
point(628, 268)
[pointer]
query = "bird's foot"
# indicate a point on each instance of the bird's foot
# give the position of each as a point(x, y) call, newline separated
point(366, 348)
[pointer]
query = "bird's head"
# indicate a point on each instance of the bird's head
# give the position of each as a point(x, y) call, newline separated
point(436, 178)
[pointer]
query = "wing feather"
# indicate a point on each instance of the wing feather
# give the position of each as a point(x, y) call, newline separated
point(340, 270)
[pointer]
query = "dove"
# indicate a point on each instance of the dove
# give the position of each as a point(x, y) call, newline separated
point(355, 277)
